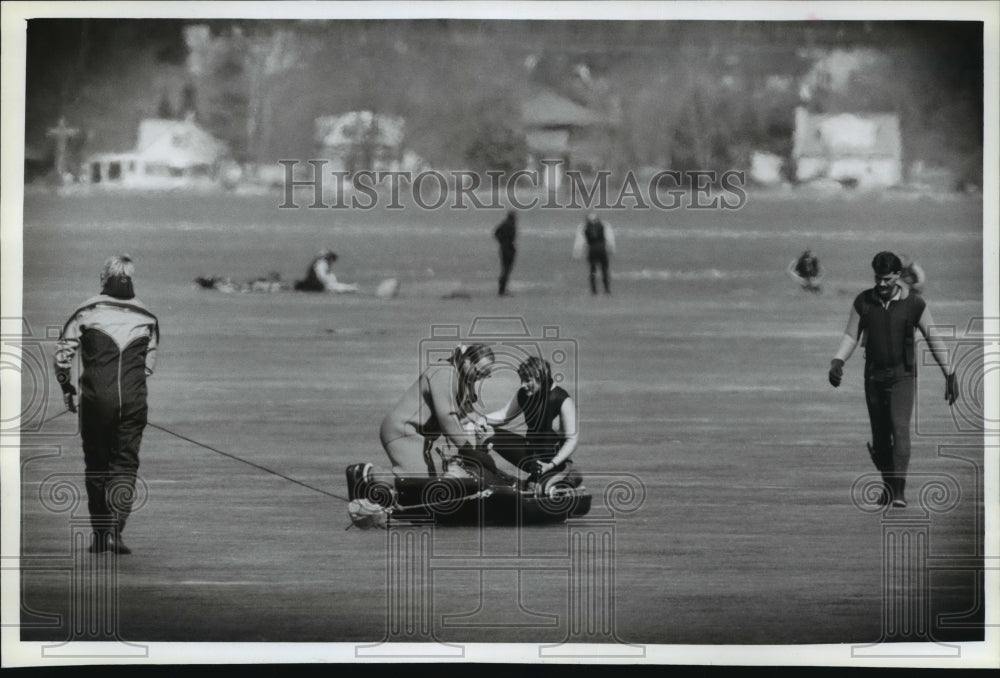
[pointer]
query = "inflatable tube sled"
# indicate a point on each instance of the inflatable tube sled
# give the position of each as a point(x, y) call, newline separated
point(449, 500)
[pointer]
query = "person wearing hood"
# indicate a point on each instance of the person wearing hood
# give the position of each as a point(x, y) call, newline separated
point(116, 338)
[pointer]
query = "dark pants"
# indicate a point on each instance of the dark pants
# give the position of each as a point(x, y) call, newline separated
point(111, 442)
point(485, 467)
point(889, 394)
point(518, 451)
point(506, 264)
point(598, 257)
point(309, 286)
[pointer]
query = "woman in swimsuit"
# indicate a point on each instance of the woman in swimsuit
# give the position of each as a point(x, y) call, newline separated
point(439, 404)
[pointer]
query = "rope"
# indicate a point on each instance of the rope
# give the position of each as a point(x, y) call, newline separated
point(248, 463)
point(482, 494)
point(478, 495)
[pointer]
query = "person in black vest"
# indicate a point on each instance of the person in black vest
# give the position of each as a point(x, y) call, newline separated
point(545, 451)
point(116, 337)
point(883, 319)
point(320, 276)
point(599, 240)
point(807, 271)
point(506, 234)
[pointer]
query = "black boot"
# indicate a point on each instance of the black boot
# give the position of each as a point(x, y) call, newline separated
point(99, 542)
point(108, 540)
point(116, 545)
point(358, 476)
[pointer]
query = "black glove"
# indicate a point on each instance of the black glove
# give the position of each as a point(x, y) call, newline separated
point(836, 372)
point(534, 469)
point(951, 388)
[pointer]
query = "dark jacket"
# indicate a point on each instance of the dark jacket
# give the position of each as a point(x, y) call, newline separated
point(117, 341)
point(506, 233)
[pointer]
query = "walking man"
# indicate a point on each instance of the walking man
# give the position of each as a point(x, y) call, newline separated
point(506, 234)
point(116, 337)
point(599, 240)
point(883, 319)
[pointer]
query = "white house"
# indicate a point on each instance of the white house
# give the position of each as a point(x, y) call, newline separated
point(863, 149)
point(168, 153)
point(363, 140)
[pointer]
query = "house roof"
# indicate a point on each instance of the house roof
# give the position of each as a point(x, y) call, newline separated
point(548, 109)
point(177, 143)
point(847, 134)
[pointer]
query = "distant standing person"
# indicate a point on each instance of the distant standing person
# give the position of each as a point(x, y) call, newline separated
point(320, 276)
point(913, 274)
point(599, 240)
point(116, 337)
point(505, 234)
point(883, 319)
point(806, 271)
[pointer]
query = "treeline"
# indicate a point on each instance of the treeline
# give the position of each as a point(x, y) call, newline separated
point(690, 95)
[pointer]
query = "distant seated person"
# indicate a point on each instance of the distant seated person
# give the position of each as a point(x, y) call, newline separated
point(269, 283)
point(806, 271)
point(912, 274)
point(320, 276)
point(218, 283)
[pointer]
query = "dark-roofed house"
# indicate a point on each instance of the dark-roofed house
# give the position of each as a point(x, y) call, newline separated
point(557, 128)
point(865, 150)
